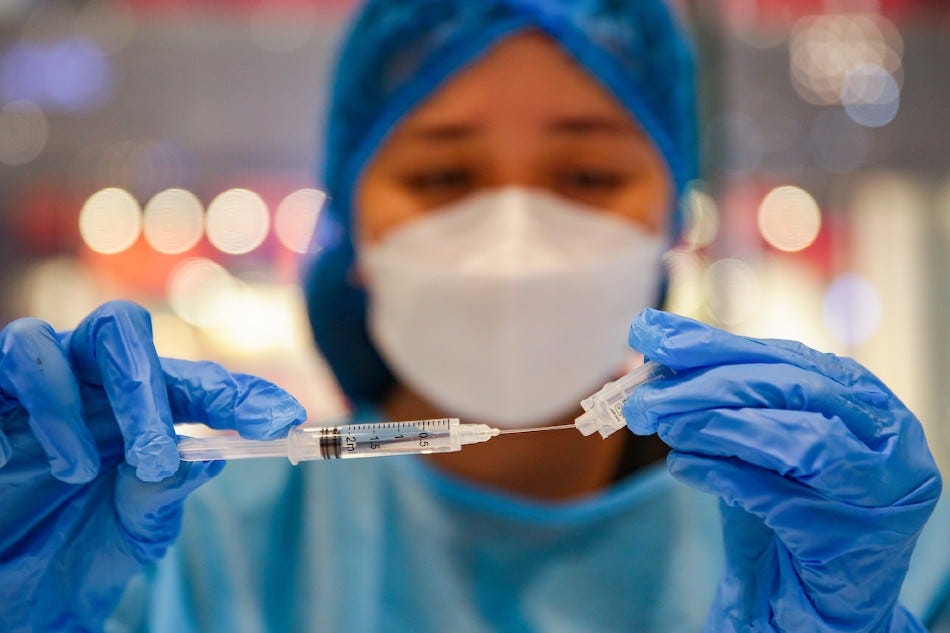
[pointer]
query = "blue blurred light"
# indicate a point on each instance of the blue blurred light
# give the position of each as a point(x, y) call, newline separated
point(851, 309)
point(870, 95)
point(72, 75)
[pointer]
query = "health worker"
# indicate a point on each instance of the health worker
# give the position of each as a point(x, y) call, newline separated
point(504, 177)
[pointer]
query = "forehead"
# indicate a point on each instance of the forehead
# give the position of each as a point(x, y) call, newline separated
point(524, 76)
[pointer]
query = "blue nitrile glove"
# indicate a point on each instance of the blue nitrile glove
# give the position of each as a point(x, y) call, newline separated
point(825, 478)
point(91, 488)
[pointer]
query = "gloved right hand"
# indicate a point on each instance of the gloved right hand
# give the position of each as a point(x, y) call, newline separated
point(91, 488)
point(824, 476)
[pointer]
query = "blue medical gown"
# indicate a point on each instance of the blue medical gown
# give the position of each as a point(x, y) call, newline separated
point(392, 544)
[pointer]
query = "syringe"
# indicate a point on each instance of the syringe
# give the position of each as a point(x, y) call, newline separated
point(304, 443)
point(603, 411)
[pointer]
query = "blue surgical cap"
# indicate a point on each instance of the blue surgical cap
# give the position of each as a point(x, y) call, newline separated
point(397, 52)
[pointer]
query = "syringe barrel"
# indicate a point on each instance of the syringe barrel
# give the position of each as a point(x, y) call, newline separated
point(374, 440)
point(200, 449)
point(342, 442)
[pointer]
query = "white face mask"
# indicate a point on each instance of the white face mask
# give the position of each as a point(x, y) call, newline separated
point(510, 306)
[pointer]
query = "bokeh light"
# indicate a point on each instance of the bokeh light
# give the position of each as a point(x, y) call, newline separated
point(296, 217)
point(110, 221)
point(174, 221)
point(71, 74)
point(733, 291)
point(686, 294)
point(59, 292)
point(23, 132)
point(789, 218)
point(851, 309)
point(174, 337)
point(870, 95)
point(237, 317)
point(787, 304)
point(261, 318)
point(702, 216)
point(197, 291)
point(825, 48)
point(237, 221)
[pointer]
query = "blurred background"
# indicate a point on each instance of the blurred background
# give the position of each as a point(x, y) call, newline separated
point(164, 151)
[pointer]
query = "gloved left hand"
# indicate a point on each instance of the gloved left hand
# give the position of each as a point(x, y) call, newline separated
point(825, 478)
point(91, 487)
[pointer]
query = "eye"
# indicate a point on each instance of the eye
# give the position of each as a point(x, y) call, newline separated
point(438, 181)
point(591, 180)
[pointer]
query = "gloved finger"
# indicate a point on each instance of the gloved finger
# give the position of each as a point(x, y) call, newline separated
point(113, 348)
point(867, 387)
point(829, 542)
point(808, 447)
point(35, 372)
point(745, 588)
point(6, 451)
point(151, 512)
point(205, 392)
point(8, 405)
point(816, 529)
point(682, 343)
point(767, 386)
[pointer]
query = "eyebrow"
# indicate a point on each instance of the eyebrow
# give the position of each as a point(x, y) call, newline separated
point(592, 125)
point(445, 131)
point(572, 125)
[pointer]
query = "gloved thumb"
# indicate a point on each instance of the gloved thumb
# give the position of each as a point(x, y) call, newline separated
point(151, 512)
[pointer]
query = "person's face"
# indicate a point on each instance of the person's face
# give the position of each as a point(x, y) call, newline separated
point(524, 114)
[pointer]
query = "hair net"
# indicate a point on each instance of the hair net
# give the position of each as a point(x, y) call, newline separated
point(399, 51)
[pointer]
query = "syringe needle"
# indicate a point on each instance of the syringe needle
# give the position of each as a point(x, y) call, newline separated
point(559, 427)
